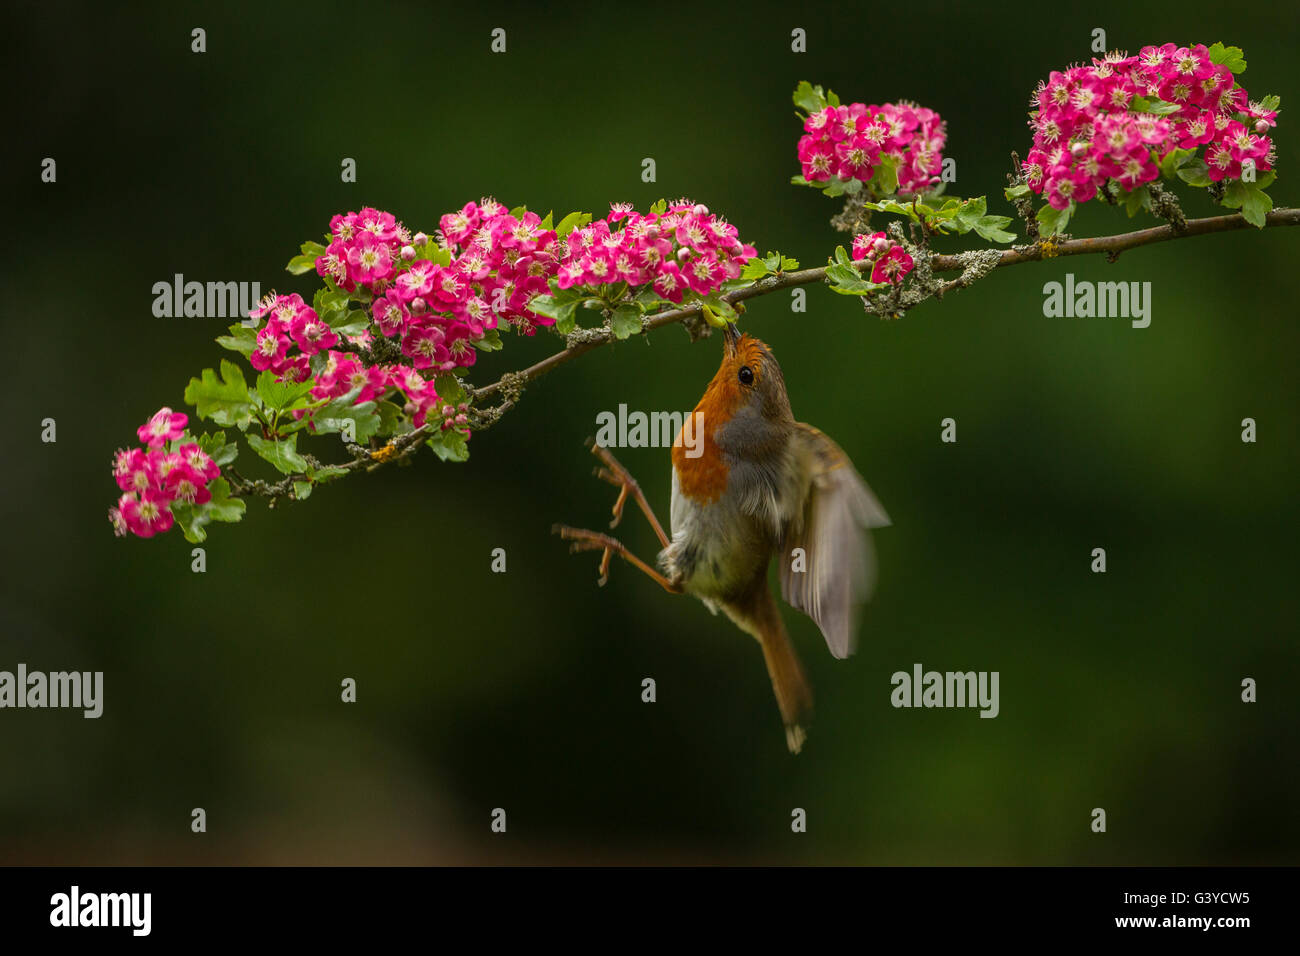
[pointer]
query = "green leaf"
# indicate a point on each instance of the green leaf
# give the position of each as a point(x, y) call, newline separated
point(1195, 173)
point(490, 342)
point(755, 269)
point(431, 251)
point(222, 507)
point(557, 307)
point(809, 98)
point(300, 264)
point(547, 223)
point(351, 323)
point(1173, 161)
point(626, 320)
point(1253, 202)
point(278, 396)
point(1053, 221)
point(1271, 103)
point(282, 454)
point(720, 308)
point(326, 303)
point(448, 389)
point(1139, 198)
point(193, 519)
point(1229, 56)
point(390, 417)
point(657, 208)
point(225, 400)
point(1018, 191)
point(215, 447)
point(1144, 104)
point(241, 339)
point(334, 416)
point(837, 187)
point(574, 220)
point(450, 445)
point(302, 490)
point(885, 179)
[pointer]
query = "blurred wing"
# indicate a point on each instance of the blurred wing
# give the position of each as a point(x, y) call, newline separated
point(840, 564)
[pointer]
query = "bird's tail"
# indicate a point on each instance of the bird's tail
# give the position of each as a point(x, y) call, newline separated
point(793, 694)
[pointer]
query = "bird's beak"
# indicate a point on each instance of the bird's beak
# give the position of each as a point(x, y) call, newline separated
point(731, 337)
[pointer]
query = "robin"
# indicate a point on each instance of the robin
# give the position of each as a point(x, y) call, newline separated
point(750, 485)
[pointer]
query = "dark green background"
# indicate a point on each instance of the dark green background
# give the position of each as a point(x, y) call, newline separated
point(522, 690)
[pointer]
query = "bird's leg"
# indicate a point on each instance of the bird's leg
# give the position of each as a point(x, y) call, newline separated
point(620, 477)
point(584, 540)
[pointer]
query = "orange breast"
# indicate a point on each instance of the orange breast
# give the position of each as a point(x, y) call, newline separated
point(703, 478)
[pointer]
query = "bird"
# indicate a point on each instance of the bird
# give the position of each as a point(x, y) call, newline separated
point(750, 484)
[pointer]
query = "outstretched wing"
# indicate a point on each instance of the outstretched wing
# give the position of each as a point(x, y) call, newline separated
point(839, 562)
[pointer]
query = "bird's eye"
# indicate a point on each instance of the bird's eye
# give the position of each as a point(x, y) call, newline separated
point(746, 375)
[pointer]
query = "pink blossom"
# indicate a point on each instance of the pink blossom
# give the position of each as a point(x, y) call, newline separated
point(164, 426)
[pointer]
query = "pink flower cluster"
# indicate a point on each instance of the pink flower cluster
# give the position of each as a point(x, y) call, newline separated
point(498, 264)
point(892, 263)
point(848, 142)
point(685, 248)
point(1086, 130)
point(152, 478)
point(292, 323)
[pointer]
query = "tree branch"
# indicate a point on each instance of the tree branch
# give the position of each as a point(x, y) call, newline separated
point(1112, 246)
point(973, 265)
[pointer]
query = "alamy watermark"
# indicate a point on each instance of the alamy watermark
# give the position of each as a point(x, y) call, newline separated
point(946, 689)
point(624, 429)
point(83, 690)
point(205, 300)
point(1085, 299)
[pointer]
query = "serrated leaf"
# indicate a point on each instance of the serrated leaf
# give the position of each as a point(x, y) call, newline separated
point(226, 400)
point(1196, 173)
point(625, 321)
point(809, 98)
point(333, 417)
point(450, 445)
point(214, 445)
point(282, 454)
point(222, 507)
point(276, 395)
point(241, 339)
point(1019, 191)
point(302, 490)
point(1053, 221)
point(1229, 56)
point(300, 264)
point(574, 220)
point(1139, 198)
point(755, 269)
point(490, 342)
point(350, 323)
point(448, 389)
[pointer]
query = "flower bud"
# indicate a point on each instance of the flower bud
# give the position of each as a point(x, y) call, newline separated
point(418, 304)
point(447, 411)
point(1078, 149)
point(461, 419)
point(408, 253)
point(683, 253)
point(1261, 126)
point(419, 239)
